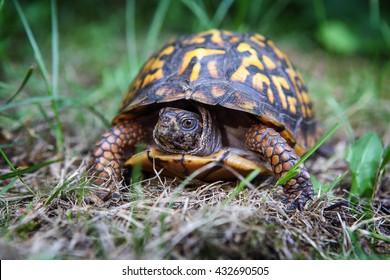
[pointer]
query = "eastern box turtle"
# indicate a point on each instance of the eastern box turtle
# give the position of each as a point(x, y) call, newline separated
point(216, 96)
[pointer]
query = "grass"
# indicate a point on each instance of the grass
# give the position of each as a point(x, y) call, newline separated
point(294, 171)
point(51, 87)
point(51, 117)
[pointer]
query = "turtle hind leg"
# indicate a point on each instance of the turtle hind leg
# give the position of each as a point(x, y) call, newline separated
point(109, 153)
point(275, 149)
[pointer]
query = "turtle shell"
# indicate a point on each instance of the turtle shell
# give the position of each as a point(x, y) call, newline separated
point(239, 71)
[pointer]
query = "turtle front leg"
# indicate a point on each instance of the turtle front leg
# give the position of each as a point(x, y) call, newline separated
point(109, 154)
point(274, 148)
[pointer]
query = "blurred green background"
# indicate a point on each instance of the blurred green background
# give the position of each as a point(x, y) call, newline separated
point(344, 27)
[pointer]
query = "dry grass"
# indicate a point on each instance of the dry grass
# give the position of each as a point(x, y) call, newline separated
point(157, 219)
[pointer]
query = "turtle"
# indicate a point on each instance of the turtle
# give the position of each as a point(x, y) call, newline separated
point(227, 100)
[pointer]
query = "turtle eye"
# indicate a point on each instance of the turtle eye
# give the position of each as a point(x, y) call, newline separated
point(188, 124)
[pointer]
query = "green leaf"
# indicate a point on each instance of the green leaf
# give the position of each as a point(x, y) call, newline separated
point(385, 157)
point(338, 37)
point(364, 158)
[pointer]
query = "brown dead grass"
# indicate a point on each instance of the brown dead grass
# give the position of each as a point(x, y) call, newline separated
point(155, 219)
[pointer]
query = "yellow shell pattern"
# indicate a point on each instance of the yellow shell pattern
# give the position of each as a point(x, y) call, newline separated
point(240, 71)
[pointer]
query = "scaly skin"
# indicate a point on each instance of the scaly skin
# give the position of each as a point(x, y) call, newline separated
point(274, 148)
point(109, 153)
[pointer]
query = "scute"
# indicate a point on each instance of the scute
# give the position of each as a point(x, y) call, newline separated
point(240, 71)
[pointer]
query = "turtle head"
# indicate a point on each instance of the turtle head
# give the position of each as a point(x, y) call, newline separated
point(179, 131)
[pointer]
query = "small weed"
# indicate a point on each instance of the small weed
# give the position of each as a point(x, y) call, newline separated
point(366, 159)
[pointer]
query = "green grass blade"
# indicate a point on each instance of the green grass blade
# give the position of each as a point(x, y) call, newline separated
point(11, 145)
point(34, 45)
point(221, 12)
point(294, 171)
point(341, 116)
point(241, 186)
point(271, 15)
point(320, 188)
point(46, 117)
point(336, 181)
point(38, 57)
point(188, 179)
point(14, 170)
point(27, 101)
point(155, 27)
point(55, 48)
point(5, 86)
point(289, 175)
point(385, 29)
point(374, 13)
point(131, 42)
point(320, 11)
point(55, 68)
point(178, 190)
point(23, 84)
point(7, 161)
point(30, 169)
point(3, 191)
point(57, 191)
point(200, 13)
point(377, 236)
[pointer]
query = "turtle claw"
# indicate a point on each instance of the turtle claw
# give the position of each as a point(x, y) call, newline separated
point(298, 199)
point(115, 197)
point(94, 199)
point(103, 199)
point(294, 205)
point(108, 192)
